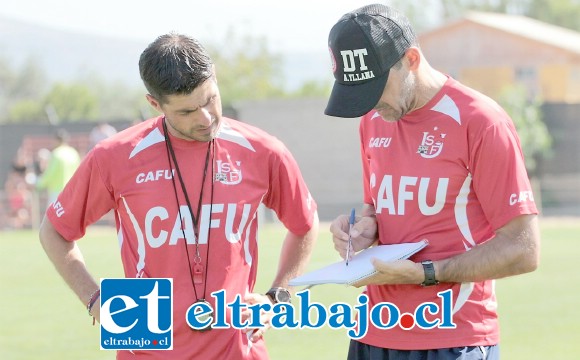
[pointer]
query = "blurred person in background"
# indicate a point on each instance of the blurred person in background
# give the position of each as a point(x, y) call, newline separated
point(64, 160)
point(41, 159)
point(18, 196)
point(100, 132)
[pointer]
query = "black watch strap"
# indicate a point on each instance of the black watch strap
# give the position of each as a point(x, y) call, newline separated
point(429, 270)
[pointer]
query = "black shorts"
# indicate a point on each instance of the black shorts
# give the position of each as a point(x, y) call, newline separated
point(360, 351)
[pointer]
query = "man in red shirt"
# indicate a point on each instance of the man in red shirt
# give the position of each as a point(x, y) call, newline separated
point(441, 162)
point(186, 187)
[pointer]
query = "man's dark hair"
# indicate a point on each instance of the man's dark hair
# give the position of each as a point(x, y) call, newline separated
point(174, 64)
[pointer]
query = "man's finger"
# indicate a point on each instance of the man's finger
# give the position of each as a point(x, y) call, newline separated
point(256, 335)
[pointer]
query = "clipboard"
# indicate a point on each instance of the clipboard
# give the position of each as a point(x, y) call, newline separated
point(360, 266)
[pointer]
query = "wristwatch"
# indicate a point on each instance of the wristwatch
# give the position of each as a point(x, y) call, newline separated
point(279, 295)
point(429, 270)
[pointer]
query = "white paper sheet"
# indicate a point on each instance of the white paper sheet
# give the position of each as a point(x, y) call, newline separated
point(359, 266)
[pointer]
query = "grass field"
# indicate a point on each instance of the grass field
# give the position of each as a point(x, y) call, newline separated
point(40, 318)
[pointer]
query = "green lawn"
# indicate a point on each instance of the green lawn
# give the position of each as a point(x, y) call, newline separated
point(41, 318)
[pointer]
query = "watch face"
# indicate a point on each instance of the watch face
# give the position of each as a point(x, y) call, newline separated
point(282, 295)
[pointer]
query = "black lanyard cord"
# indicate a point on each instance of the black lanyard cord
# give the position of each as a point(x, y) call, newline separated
point(195, 218)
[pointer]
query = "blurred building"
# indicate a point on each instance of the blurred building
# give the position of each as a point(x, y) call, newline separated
point(489, 51)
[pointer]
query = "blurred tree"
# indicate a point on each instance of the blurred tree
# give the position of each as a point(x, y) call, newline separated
point(456, 8)
point(6, 75)
point(313, 88)
point(73, 102)
point(246, 69)
point(20, 88)
point(6, 78)
point(423, 14)
point(526, 114)
point(26, 111)
point(565, 13)
point(116, 100)
point(29, 82)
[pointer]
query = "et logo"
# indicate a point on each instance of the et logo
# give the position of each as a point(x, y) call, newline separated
point(136, 314)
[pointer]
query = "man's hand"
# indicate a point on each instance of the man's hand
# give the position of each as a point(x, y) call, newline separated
point(96, 310)
point(265, 316)
point(364, 233)
point(394, 272)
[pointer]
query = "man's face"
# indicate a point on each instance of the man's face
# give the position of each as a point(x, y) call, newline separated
point(399, 94)
point(195, 116)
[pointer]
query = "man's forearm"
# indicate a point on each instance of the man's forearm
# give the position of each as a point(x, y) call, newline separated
point(514, 250)
point(68, 261)
point(295, 254)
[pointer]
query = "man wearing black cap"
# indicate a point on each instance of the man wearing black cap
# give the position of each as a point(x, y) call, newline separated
point(440, 162)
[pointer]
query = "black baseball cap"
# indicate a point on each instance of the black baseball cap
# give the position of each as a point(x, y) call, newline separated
point(364, 44)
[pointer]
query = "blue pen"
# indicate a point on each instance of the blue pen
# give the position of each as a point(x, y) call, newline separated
point(350, 225)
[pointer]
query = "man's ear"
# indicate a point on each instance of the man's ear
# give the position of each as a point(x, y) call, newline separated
point(153, 102)
point(413, 56)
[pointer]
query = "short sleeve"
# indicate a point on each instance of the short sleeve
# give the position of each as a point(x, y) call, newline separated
point(288, 194)
point(83, 201)
point(500, 179)
point(365, 161)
